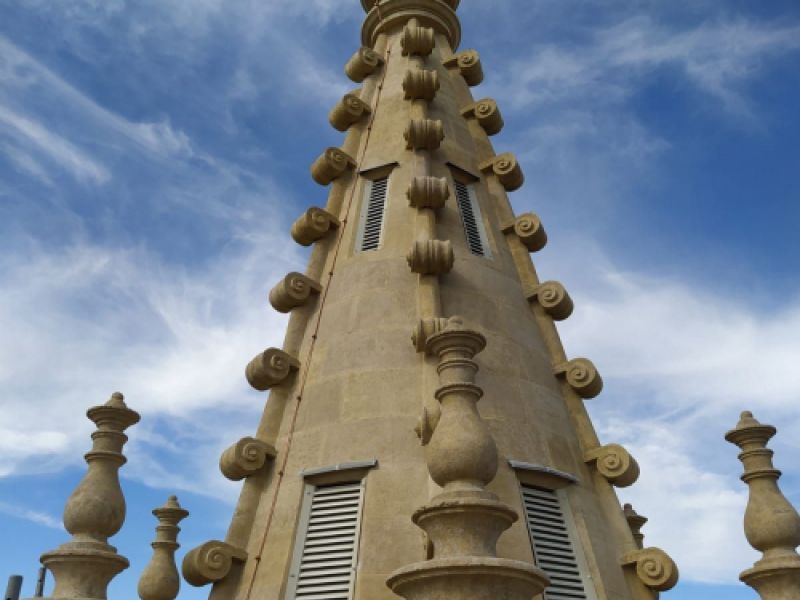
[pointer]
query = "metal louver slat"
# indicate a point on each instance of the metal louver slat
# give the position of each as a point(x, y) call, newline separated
point(325, 563)
point(553, 548)
point(372, 216)
point(470, 219)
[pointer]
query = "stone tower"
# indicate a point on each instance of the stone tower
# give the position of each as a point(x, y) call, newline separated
point(425, 434)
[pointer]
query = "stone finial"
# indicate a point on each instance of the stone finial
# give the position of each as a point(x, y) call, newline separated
point(468, 63)
point(428, 192)
point(331, 165)
point(159, 580)
point(487, 114)
point(424, 134)
point(292, 291)
point(270, 368)
point(771, 523)
point(84, 566)
point(417, 40)
point(421, 84)
point(431, 257)
point(210, 562)
point(554, 299)
point(635, 522)
point(313, 225)
point(348, 111)
point(507, 170)
point(614, 463)
point(245, 457)
point(582, 377)
point(362, 64)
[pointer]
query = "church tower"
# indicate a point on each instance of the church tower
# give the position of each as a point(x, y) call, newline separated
point(424, 434)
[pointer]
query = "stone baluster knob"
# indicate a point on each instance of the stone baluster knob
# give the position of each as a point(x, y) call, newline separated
point(160, 580)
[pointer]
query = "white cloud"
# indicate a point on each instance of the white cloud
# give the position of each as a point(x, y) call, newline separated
point(34, 516)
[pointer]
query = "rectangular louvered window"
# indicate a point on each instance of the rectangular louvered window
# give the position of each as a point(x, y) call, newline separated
point(370, 232)
point(471, 219)
point(553, 547)
point(324, 564)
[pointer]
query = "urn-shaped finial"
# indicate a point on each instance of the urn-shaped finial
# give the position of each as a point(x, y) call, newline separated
point(160, 580)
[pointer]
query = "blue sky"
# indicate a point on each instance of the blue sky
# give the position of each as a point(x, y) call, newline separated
point(153, 155)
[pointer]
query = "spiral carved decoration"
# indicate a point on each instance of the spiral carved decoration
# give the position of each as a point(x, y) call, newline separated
point(244, 458)
point(424, 134)
point(530, 231)
point(507, 170)
point(468, 63)
point(653, 567)
point(428, 192)
point(313, 225)
point(487, 114)
point(421, 84)
point(292, 291)
point(270, 368)
point(614, 463)
point(582, 377)
point(431, 257)
point(426, 328)
point(362, 64)
point(348, 111)
point(554, 299)
point(210, 562)
point(417, 41)
point(331, 165)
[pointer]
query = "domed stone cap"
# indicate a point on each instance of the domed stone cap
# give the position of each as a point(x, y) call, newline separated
point(393, 14)
point(749, 429)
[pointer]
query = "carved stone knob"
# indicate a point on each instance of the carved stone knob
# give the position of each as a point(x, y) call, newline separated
point(417, 40)
point(530, 231)
point(635, 522)
point(313, 225)
point(487, 114)
point(362, 64)
point(431, 257)
point(428, 192)
point(244, 458)
point(582, 376)
point(348, 111)
point(653, 567)
point(507, 170)
point(424, 134)
point(421, 84)
point(331, 165)
point(210, 562)
point(468, 63)
point(270, 368)
point(554, 299)
point(426, 328)
point(292, 291)
point(614, 463)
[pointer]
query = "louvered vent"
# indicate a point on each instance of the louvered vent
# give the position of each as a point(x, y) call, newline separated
point(552, 545)
point(372, 216)
point(470, 218)
point(325, 570)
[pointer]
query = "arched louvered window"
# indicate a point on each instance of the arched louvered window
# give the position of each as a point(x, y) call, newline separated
point(326, 554)
point(471, 219)
point(370, 231)
point(554, 548)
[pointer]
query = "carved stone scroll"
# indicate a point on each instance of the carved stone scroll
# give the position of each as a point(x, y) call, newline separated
point(487, 114)
point(468, 63)
point(421, 84)
point(362, 64)
point(653, 567)
point(244, 458)
point(417, 41)
point(424, 134)
point(507, 170)
point(428, 192)
point(582, 376)
point(554, 299)
point(426, 328)
point(313, 225)
point(292, 291)
point(270, 368)
point(160, 580)
point(530, 231)
point(210, 562)
point(348, 111)
point(614, 463)
point(431, 257)
point(330, 165)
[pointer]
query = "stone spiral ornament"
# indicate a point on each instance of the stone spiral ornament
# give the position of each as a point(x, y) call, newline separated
point(431, 257)
point(313, 225)
point(488, 116)
point(615, 463)
point(582, 377)
point(417, 41)
point(348, 111)
point(331, 165)
point(654, 568)
point(424, 134)
point(426, 328)
point(554, 299)
point(421, 84)
point(530, 231)
point(210, 562)
point(362, 64)
point(468, 64)
point(270, 368)
point(292, 291)
point(428, 192)
point(507, 170)
point(244, 458)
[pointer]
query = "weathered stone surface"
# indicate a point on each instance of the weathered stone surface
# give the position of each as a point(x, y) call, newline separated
point(160, 580)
